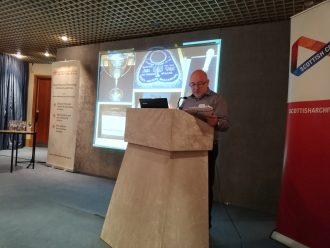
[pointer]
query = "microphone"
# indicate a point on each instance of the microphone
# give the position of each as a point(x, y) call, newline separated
point(36, 116)
point(180, 98)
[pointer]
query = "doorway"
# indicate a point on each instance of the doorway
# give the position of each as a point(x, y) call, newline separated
point(41, 103)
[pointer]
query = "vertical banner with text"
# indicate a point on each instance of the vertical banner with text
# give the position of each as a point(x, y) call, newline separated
point(63, 114)
point(304, 209)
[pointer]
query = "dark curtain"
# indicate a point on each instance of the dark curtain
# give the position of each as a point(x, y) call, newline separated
point(14, 76)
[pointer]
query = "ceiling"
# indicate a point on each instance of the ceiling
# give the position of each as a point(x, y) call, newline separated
point(35, 26)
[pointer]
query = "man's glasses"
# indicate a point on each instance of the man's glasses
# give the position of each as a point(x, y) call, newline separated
point(197, 84)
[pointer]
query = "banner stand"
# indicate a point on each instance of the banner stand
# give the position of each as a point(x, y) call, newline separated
point(303, 218)
point(64, 111)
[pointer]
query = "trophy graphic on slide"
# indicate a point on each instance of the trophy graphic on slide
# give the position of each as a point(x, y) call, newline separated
point(159, 69)
point(117, 64)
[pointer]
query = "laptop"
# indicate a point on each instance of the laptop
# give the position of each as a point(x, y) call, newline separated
point(153, 102)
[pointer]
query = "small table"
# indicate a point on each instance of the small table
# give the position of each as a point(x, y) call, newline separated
point(15, 134)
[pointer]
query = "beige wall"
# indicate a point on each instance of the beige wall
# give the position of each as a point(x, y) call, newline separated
point(34, 70)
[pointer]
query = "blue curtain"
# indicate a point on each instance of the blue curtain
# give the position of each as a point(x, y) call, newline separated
point(14, 76)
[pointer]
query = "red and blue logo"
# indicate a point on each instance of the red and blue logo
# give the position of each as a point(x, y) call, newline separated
point(322, 50)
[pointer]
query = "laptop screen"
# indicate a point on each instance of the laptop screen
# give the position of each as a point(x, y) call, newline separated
point(153, 102)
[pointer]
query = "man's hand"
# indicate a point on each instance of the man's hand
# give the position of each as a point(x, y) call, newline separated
point(212, 120)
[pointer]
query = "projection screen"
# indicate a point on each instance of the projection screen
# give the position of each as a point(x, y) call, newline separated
point(125, 76)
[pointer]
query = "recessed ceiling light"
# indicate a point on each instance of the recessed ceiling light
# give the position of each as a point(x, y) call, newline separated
point(64, 38)
point(19, 55)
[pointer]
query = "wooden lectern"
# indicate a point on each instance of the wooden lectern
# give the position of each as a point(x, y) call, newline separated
point(161, 195)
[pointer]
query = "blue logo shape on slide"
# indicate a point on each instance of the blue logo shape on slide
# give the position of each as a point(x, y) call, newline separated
point(158, 69)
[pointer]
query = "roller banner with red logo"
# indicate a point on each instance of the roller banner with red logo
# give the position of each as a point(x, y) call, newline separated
point(304, 209)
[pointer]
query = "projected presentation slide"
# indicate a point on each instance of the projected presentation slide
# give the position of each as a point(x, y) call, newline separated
point(127, 75)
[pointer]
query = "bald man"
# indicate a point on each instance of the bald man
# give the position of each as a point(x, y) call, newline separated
point(201, 94)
